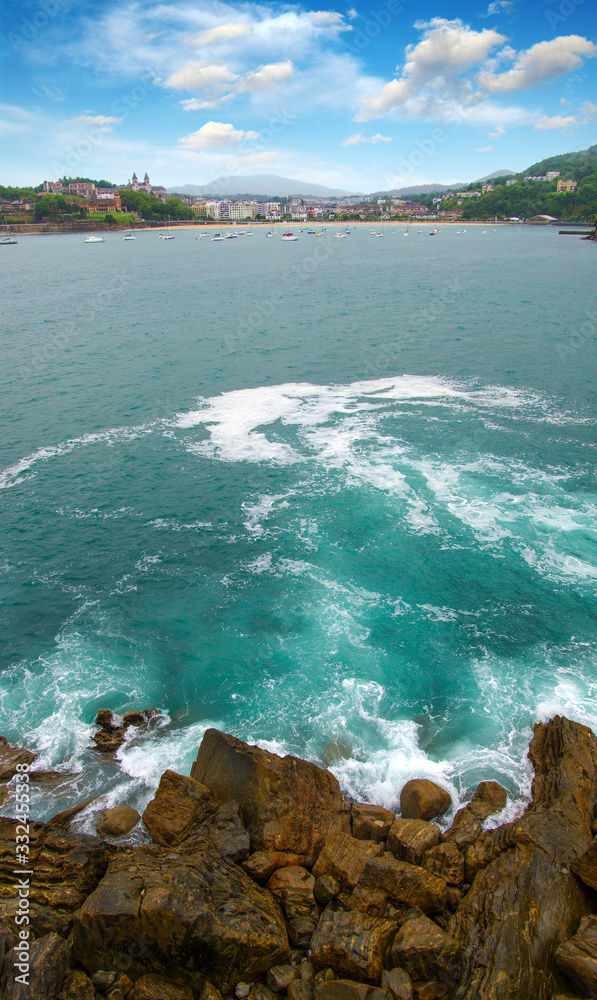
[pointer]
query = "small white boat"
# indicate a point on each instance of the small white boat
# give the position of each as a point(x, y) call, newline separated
point(217, 237)
point(233, 236)
point(289, 237)
point(94, 239)
point(8, 238)
point(272, 233)
point(340, 236)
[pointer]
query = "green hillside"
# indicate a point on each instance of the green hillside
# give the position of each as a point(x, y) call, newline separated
point(524, 199)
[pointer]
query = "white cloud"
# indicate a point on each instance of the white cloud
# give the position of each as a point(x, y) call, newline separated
point(483, 149)
point(448, 48)
point(498, 6)
point(352, 13)
point(541, 63)
point(196, 76)
point(546, 124)
point(590, 109)
point(213, 135)
point(104, 122)
point(267, 78)
point(223, 33)
point(194, 104)
point(500, 130)
point(358, 138)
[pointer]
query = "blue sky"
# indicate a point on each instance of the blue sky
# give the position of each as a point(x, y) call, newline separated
point(363, 97)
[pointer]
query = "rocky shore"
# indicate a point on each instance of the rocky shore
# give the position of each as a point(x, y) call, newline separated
point(263, 882)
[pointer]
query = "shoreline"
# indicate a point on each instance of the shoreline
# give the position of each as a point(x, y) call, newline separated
point(240, 892)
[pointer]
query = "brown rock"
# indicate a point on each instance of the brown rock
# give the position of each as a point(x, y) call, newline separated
point(49, 777)
point(196, 912)
point(209, 992)
point(369, 900)
point(117, 822)
point(293, 888)
point(344, 858)
point(138, 718)
point(259, 866)
point(370, 822)
point(326, 889)
point(488, 798)
point(423, 799)
point(227, 833)
point(335, 751)
point(586, 866)
point(103, 979)
point(404, 883)
point(48, 963)
point(300, 931)
point(299, 990)
point(65, 817)
point(180, 805)
point(425, 951)
point(154, 987)
point(489, 846)
point(348, 989)
point(408, 839)
point(432, 990)
point(6, 793)
point(10, 757)
point(124, 984)
point(108, 720)
point(399, 983)
point(109, 741)
point(465, 830)
point(77, 986)
point(67, 866)
point(577, 958)
point(279, 977)
point(268, 789)
point(446, 861)
point(352, 944)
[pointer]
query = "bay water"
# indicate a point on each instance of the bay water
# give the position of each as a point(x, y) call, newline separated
point(335, 497)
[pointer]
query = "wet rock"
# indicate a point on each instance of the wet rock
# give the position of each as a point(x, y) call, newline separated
point(103, 979)
point(293, 888)
point(352, 944)
point(404, 883)
point(300, 931)
point(489, 846)
point(526, 902)
point(209, 992)
point(260, 866)
point(370, 822)
point(180, 805)
point(577, 958)
point(348, 989)
point(344, 858)
point(66, 816)
point(77, 986)
point(49, 777)
point(194, 911)
point(425, 951)
point(326, 889)
point(335, 751)
point(488, 798)
point(227, 833)
point(111, 735)
point(586, 867)
point(399, 984)
point(408, 839)
point(268, 789)
point(465, 830)
point(154, 987)
point(423, 799)
point(139, 718)
point(445, 861)
point(11, 757)
point(48, 964)
point(279, 977)
point(117, 822)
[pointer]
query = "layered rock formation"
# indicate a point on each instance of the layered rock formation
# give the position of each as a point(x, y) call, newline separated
point(263, 882)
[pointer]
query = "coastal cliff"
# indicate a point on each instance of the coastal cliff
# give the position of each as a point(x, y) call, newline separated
point(263, 881)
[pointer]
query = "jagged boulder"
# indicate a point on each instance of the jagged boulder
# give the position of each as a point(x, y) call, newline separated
point(408, 839)
point(344, 858)
point(446, 862)
point(423, 799)
point(48, 963)
point(370, 822)
point(293, 888)
point(526, 903)
point(402, 883)
point(191, 913)
point(465, 830)
point(352, 944)
point(286, 804)
point(179, 805)
point(577, 958)
point(488, 798)
point(424, 950)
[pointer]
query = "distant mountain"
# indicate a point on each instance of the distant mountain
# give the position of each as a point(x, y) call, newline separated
point(496, 173)
point(259, 185)
point(440, 188)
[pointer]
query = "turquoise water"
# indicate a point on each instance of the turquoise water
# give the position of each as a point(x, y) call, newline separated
point(302, 492)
